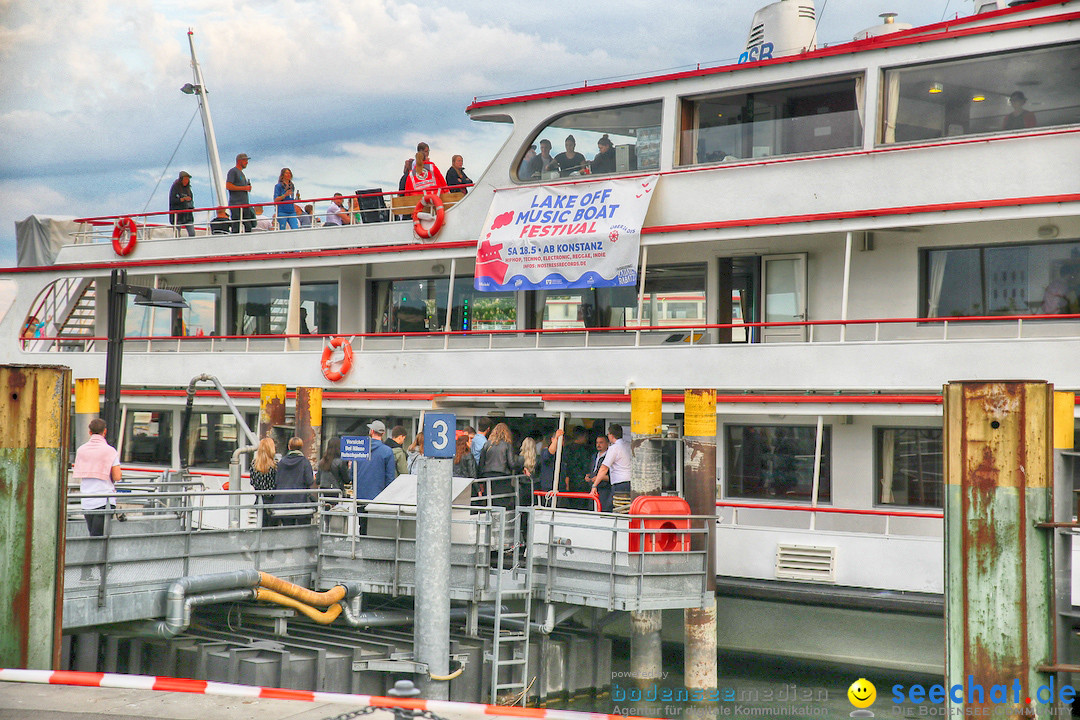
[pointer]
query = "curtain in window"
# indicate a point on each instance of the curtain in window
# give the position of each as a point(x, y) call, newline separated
point(892, 101)
point(888, 458)
point(937, 277)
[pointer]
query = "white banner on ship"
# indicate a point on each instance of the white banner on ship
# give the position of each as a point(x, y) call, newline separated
point(564, 236)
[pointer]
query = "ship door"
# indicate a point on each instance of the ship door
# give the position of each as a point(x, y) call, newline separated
point(783, 283)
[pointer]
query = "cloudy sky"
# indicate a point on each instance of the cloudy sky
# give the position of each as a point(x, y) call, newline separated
point(338, 90)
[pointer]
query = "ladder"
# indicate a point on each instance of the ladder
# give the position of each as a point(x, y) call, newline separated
point(78, 325)
point(509, 658)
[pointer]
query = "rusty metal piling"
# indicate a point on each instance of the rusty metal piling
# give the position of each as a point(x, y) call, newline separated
point(699, 487)
point(999, 596)
point(35, 405)
point(271, 410)
point(309, 421)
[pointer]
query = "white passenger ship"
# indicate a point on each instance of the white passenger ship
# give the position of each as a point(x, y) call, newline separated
point(834, 234)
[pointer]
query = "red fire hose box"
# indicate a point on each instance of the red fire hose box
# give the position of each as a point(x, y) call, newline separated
point(666, 539)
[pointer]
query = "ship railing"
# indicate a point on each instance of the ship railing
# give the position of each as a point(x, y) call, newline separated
point(862, 331)
point(364, 208)
point(882, 519)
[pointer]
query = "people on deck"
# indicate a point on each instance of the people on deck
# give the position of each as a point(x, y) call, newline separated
point(294, 473)
point(97, 470)
point(379, 469)
point(422, 147)
point(415, 452)
point(604, 487)
point(567, 162)
point(541, 162)
point(307, 216)
point(422, 178)
point(405, 174)
point(262, 223)
point(221, 225)
point(1018, 118)
point(524, 167)
point(181, 204)
point(615, 468)
point(498, 462)
point(237, 184)
point(336, 214)
point(604, 162)
point(264, 475)
point(285, 194)
point(527, 455)
point(456, 177)
point(479, 437)
point(333, 471)
point(464, 463)
point(398, 436)
point(576, 458)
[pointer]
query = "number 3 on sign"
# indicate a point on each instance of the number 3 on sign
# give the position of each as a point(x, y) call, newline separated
point(439, 435)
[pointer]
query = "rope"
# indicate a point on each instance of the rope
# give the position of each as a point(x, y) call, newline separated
point(166, 168)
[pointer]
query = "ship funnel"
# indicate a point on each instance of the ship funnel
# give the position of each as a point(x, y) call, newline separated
point(888, 25)
point(784, 28)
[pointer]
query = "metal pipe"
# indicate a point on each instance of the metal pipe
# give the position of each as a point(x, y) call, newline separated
point(235, 481)
point(313, 614)
point(181, 597)
point(208, 125)
point(847, 282)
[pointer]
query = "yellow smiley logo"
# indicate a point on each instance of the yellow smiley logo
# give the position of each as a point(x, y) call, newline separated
point(862, 693)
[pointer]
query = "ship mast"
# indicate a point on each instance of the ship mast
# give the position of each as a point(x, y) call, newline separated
point(198, 88)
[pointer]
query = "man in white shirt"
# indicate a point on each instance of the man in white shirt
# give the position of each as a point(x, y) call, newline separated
point(97, 470)
point(337, 215)
point(616, 468)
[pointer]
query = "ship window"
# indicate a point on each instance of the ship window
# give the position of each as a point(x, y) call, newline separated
point(1031, 279)
point(776, 462)
point(148, 437)
point(633, 132)
point(201, 318)
point(909, 467)
point(212, 438)
point(1007, 92)
point(767, 122)
point(419, 305)
point(674, 295)
point(264, 309)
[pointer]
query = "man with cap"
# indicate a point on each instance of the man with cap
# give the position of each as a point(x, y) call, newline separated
point(237, 184)
point(181, 204)
point(379, 470)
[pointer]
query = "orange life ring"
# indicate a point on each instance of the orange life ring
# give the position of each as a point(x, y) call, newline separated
point(346, 361)
point(440, 215)
point(124, 225)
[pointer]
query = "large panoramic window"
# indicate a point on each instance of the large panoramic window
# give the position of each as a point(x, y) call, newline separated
point(419, 305)
point(771, 121)
point(264, 310)
point(1035, 279)
point(597, 141)
point(910, 466)
point(776, 462)
point(1007, 92)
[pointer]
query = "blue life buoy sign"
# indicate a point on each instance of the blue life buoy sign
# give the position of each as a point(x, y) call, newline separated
point(440, 435)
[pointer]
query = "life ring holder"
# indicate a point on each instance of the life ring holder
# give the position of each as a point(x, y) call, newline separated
point(121, 226)
point(440, 216)
point(346, 362)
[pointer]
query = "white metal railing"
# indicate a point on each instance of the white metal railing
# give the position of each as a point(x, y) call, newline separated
point(919, 330)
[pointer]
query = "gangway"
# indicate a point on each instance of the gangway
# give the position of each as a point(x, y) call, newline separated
point(506, 566)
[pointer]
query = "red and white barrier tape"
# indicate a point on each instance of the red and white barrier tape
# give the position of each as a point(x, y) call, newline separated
point(203, 687)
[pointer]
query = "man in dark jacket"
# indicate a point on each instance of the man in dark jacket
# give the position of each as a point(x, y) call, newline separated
point(294, 473)
point(379, 470)
point(396, 443)
point(180, 199)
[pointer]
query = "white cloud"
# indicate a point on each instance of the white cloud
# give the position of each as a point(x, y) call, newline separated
point(339, 90)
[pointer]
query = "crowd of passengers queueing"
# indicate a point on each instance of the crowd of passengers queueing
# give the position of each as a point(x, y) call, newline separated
point(420, 175)
point(487, 454)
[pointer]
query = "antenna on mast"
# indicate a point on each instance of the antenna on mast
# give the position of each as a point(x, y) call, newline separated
point(198, 88)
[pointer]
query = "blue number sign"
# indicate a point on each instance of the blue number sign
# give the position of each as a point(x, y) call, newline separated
point(439, 435)
point(355, 448)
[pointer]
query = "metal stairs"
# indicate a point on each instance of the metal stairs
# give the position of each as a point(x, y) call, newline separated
point(509, 658)
point(78, 324)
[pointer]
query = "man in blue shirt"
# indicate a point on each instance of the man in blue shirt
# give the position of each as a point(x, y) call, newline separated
point(379, 470)
point(480, 439)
